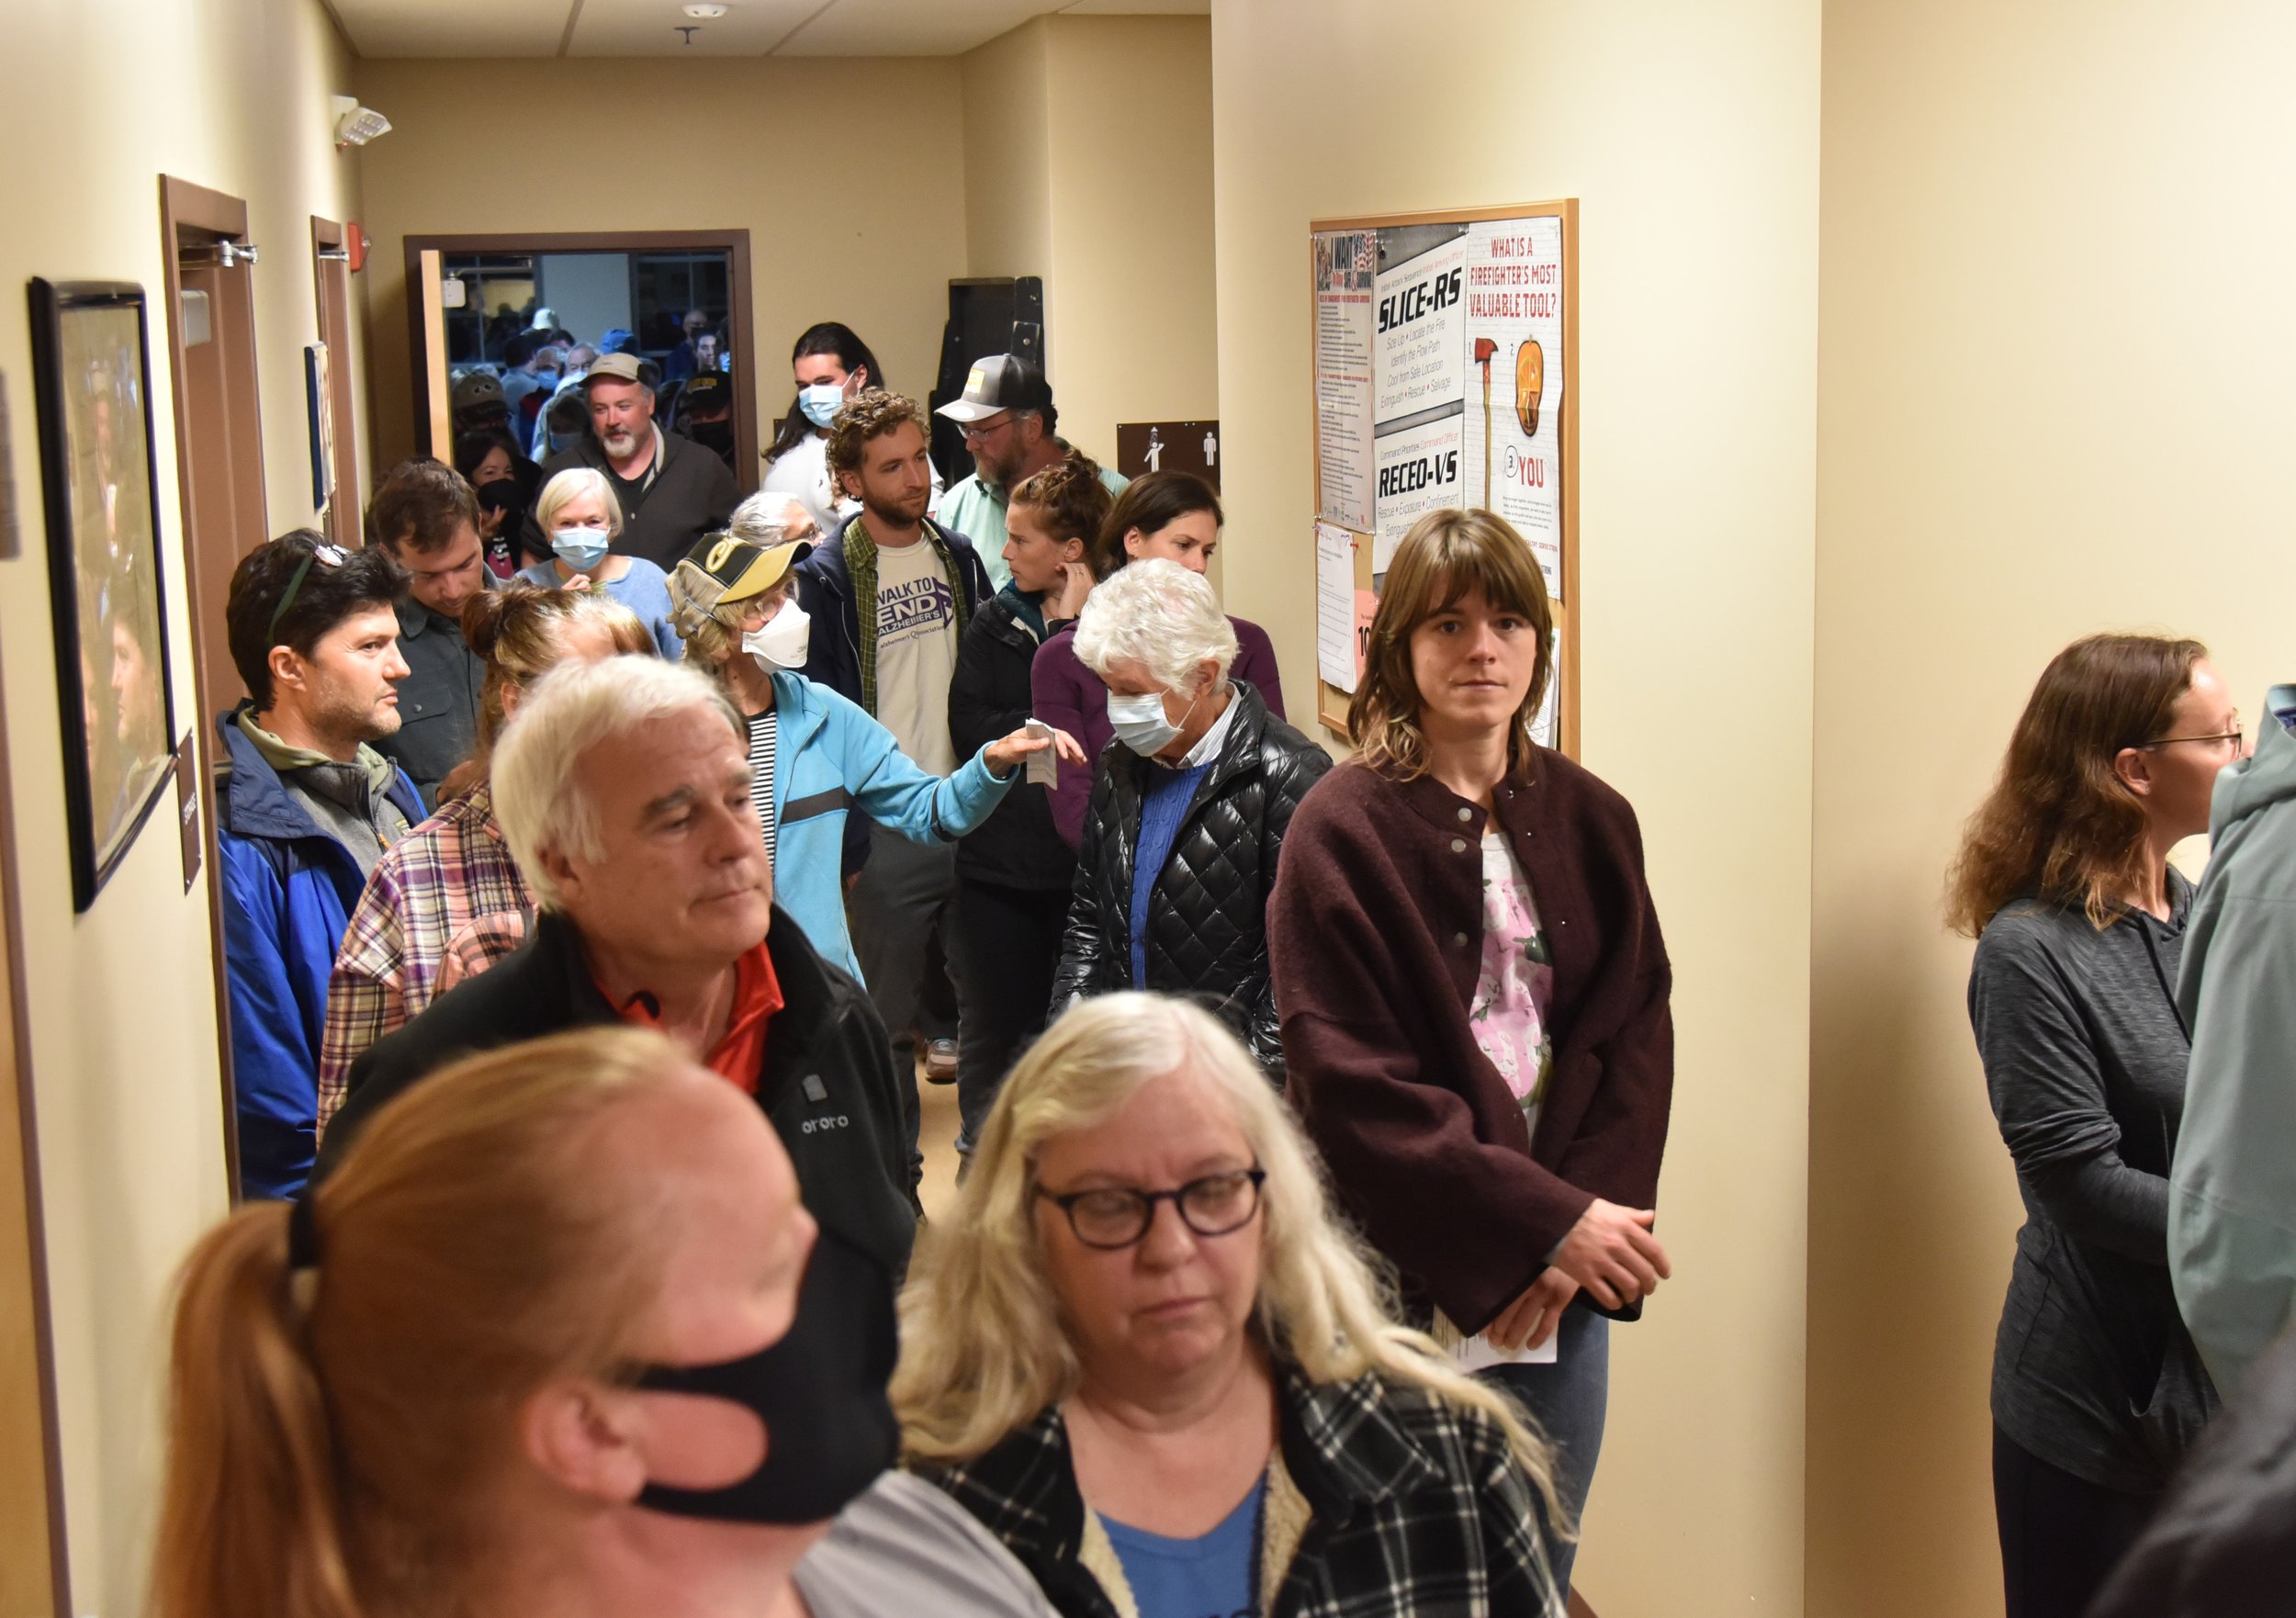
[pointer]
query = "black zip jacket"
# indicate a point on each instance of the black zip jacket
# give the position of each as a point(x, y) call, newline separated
point(1017, 847)
point(1207, 929)
point(826, 1080)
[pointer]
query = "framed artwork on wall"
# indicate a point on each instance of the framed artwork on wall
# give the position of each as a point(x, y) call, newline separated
point(92, 380)
point(318, 402)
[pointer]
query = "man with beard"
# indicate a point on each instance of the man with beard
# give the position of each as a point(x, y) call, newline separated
point(304, 809)
point(889, 596)
point(425, 517)
point(1008, 415)
point(671, 490)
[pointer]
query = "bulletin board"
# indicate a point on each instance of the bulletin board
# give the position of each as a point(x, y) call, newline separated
point(1445, 355)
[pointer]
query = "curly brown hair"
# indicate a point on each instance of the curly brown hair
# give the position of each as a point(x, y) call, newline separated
point(872, 413)
point(2060, 825)
point(1446, 554)
point(1075, 502)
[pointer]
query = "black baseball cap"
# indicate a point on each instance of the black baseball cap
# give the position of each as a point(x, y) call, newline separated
point(1000, 382)
point(706, 391)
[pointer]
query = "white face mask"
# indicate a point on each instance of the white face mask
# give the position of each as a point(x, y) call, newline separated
point(782, 643)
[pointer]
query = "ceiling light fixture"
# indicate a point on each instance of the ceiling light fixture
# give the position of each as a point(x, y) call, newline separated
point(356, 125)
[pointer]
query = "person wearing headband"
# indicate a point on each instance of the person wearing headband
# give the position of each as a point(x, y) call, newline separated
point(820, 767)
point(657, 1385)
point(305, 807)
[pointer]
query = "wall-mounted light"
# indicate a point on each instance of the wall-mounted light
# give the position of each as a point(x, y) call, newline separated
point(356, 125)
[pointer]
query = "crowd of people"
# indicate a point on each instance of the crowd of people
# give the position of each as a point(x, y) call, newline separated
point(591, 924)
point(595, 921)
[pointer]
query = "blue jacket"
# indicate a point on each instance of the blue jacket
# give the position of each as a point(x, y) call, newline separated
point(288, 891)
point(830, 758)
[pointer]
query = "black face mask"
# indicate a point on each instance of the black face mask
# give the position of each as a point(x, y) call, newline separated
point(716, 436)
point(829, 1432)
point(502, 495)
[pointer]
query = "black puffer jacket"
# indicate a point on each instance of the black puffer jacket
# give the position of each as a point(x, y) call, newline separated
point(1207, 923)
point(1017, 846)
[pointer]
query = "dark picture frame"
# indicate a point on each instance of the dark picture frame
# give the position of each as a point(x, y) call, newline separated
point(91, 384)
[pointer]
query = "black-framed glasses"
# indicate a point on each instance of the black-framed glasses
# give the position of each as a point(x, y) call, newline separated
point(1113, 1217)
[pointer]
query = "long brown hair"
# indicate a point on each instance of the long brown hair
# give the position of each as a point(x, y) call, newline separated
point(2060, 824)
point(333, 1430)
point(1446, 556)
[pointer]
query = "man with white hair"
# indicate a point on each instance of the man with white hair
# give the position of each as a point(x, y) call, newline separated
point(670, 490)
point(1187, 815)
point(623, 789)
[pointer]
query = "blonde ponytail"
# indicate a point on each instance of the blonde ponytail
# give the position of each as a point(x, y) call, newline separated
point(252, 1523)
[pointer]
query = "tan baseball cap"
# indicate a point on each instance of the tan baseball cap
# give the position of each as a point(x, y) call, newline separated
point(613, 367)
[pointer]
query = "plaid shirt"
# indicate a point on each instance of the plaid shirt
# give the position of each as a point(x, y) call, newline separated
point(1412, 1506)
point(429, 887)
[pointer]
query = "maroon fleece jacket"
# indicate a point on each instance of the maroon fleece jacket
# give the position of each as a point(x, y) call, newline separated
point(1374, 939)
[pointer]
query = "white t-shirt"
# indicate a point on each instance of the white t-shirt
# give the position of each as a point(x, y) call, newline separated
point(916, 653)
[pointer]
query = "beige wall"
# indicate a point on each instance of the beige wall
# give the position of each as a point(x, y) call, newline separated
point(230, 93)
point(2052, 399)
point(864, 230)
point(1690, 134)
point(1088, 162)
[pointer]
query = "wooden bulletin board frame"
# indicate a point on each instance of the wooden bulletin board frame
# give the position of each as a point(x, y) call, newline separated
point(1331, 702)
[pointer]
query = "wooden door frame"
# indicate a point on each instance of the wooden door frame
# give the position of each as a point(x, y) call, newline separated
point(20, 1036)
point(334, 320)
point(735, 244)
point(187, 207)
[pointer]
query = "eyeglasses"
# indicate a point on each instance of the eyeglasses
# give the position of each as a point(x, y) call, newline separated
point(2231, 736)
point(973, 430)
point(1111, 1218)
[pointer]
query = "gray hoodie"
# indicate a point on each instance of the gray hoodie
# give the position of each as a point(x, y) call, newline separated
point(2231, 1204)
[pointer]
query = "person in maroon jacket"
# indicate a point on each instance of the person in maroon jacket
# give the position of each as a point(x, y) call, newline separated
point(1173, 515)
point(1473, 993)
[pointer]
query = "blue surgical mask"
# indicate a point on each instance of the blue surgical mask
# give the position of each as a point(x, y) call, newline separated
point(1140, 723)
point(579, 548)
point(821, 402)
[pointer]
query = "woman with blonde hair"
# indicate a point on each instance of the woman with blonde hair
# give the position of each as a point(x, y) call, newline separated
point(451, 883)
point(1147, 1356)
point(2064, 880)
point(1474, 993)
point(580, 518)
point(648, 1388)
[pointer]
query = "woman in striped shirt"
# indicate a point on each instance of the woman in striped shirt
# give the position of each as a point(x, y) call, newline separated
point(816, 758)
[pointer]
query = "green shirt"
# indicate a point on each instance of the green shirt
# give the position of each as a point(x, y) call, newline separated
point(975, 508)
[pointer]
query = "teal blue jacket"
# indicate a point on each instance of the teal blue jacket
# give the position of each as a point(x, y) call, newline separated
point(2232, 1188)
point(831, 760)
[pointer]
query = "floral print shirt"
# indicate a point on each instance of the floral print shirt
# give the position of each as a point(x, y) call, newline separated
point(1516, 981)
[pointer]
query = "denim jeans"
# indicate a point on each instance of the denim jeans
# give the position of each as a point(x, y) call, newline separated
point(1568, 1400)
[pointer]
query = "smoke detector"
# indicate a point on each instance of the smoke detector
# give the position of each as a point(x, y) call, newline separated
point(706, 13)
point(356, 125)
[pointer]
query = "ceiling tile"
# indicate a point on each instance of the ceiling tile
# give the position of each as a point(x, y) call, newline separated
point(648, 27)
point(1138, 8)
point(910, 28)
point(382, 29)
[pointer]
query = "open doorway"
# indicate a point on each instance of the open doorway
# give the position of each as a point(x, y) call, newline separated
point(677, 299)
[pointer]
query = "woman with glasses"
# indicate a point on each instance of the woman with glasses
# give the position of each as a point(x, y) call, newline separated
point(1147, 1356)
point(815, 757)
point(2064, 880)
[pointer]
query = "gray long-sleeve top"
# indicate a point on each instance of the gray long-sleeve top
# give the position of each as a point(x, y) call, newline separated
point(2084, 1055)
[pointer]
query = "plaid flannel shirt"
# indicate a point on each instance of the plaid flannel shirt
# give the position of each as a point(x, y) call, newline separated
point(428, 888)
point(1411, 1505)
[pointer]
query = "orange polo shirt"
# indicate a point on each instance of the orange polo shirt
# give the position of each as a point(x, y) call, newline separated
point(757, 996)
